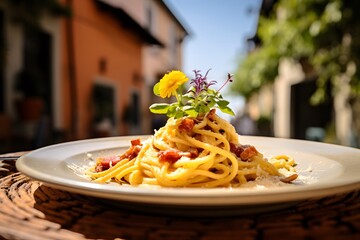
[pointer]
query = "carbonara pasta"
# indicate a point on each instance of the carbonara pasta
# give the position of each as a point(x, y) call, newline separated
point(191, 152)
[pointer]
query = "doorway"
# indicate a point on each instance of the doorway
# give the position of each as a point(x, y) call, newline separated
point(34, 84)
point(309, 121)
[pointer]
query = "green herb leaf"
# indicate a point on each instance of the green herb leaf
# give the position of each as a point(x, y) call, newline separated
point(156, 89)
point(172, 110)
point(190, 111)
point(227, 110)
point(222, 103)
point(159, 108)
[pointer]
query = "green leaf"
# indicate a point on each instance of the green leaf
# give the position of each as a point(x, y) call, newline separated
point(222, 103)
point(211, 92)
point(227, 110)
point(179, 113)
point(159, 108)
point(156, 89)
point(172, 110)
point(202, 108)
point(190, 111)
point(189, 95)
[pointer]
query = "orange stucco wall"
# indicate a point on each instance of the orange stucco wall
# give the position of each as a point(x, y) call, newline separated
point(98, 35)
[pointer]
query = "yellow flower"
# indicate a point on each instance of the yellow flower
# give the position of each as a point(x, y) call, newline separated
point(170, 83)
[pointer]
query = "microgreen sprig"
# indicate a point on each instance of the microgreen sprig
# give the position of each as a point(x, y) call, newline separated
point(197, 101)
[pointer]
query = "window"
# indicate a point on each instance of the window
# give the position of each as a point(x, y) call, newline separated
point(104, 103)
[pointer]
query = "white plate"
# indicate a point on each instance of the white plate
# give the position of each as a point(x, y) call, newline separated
point(324, 170)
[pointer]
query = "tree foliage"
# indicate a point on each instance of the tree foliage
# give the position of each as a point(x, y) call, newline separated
point(326, 33)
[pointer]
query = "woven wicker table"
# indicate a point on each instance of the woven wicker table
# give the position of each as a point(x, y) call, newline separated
point(31, 210)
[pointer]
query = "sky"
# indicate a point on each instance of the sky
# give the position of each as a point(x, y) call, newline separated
point(218, 33)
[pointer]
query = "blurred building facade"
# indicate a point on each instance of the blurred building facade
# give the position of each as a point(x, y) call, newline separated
point(285, 103)
point(88, 75)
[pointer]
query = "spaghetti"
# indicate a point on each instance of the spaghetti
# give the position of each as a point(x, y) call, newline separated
point(191, 152)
